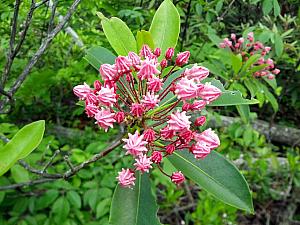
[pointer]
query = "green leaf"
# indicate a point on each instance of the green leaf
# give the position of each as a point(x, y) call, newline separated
point(19, 174)
point(251, 86)
point(278, 44)
point(46, 199)
point(134, 206)
point(232, 98)
point(276, 7)
point(250, 62)
point(244, 111)
point(216, 175)
point(144, 37)
point(165, 26)
point(270, 97)
point(267, 6)
point(61, 209)
point(119, 35)
point(236, 62)
point(102, 208)
point(74, 199)
point(271, 82)
point(21, 145)
point(97, 56)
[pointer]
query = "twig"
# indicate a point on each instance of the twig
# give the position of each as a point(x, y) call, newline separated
point(50, 161)
point(25, 184)
point(39, 172)
point(67, 160)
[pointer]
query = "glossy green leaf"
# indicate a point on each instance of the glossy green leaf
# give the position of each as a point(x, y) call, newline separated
point(134, 206)
point(278, 44)
point(144, 37)
point(165, 26)
point(236, 62)
point(119, 35)
point(97, 56)
point(216, 175)
point(244, 111)
point(21, 145)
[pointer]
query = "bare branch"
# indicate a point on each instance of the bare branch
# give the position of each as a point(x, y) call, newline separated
point(50, 161)
point(26, 184)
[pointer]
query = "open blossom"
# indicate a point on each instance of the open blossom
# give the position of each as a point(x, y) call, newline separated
point(105, 118)
point(150, 100)
point(142, 92)
point(126, 178)
point(135, 145)
point(179, 121)
point(143, 163)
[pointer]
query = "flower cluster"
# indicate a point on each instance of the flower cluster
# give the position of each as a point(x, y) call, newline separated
point(155, 105)
point(251, 47)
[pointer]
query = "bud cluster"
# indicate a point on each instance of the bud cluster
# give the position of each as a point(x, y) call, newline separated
point(140, 92)
point(248, 48)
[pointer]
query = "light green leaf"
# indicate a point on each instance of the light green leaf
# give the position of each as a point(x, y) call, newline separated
point(236, 62)
point(74, 199)
point(102, 208)
point(144, 37)
point(21, 145)
point(267, 6)
point(139, 206)
point(278, 44)
point(119, 35)
point(216, 175)
point(97, 56)
point(165, 26)
point(19, 174)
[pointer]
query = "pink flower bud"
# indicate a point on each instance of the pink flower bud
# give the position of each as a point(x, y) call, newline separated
point(156, 157)
point(179, 121)
point(198, 105)
point(267, 49)
point(169, 53)
point(163, 63)
point(108, 72)
point(146, 52)
point(135, 145)
point(276, 71)
point(137, 109)
point(186, 136)
point(154, 84)
point(107, 96)
point(237, 45)
point(233, 36)
point(149, 135)
point(105, 119)
point(157, 52)
point(187, 89)
point(126, 178)
point(209, 138)
point(143, 163)
point(241, 40)
point(182, 58)
point(222, 45)
point(167, 133)
point(170, 149)
point(250, 37)
point(122, 64)
point(209, 92)
point(271, 76)
point(148, 70)
point(119, 117)
point(91, 110)
point(135, 59)
point(200, 150)
point(200, 121)
point(81, 91)
point(177, 178)
point(97, 85)
point(91, 98)
point(196, 73)
point(186, 107)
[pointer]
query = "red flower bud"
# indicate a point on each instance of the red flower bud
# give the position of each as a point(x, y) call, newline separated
point(169, 53)
point(200, 121)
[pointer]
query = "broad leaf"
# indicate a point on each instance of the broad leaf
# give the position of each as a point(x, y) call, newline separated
point(119, 35)
point(21, 145)
point(232, 98)
point(165, 26)
point(97, 56)
point(216, 175)
point(144, 37)
point(134, 206)
point(236, 62)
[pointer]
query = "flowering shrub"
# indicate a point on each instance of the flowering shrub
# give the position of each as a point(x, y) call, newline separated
point(248, 48)
point(132, 90)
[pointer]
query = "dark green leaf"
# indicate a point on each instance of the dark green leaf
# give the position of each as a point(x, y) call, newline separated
point(102, 208)
point(251, 86)
point(216, 175)
point(97, 56)
point(134, 206)
point(74, 199)
point(21, 145)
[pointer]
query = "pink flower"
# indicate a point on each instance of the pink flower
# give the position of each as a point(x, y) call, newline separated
point(149, 135)
point(222, 45)
point(97, 85)
point(135, 59)
point(91, 110)
point(143, 163)
point(233, 36)
point(81, 91)
point(250, 37)
point(169, 53)
point(91, 98)
point(187, 89)
point(137, 109)
point(119, 117)
point(267, 49)
point(156, 157)
point(148, 70)
point(186, 136)
point(276, 71)
point(200, 150)
point(177, 178)
point(122, 64)
point(135, 145)
point(196, 73)
point(105, 118)
point(227, 42)
point(198, 105)
point(170, 149)
point(182, 58)
point(241, 40)
point(200, 121)
point(126, 178)
point(150, 100)
point(179, 121)
point(209, 92)
point(108, 72)
point(209, 138)
point(155, 84)
point(186, 106)
point(107, 96)
point(167, 133)
point(146, 52)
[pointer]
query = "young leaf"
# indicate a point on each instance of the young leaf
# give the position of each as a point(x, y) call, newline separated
point(134, 206)
point(21, 145)
point(216, 175)
point(97, 56)
point(119, 35)
point(144, 37)
point(165, 26)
